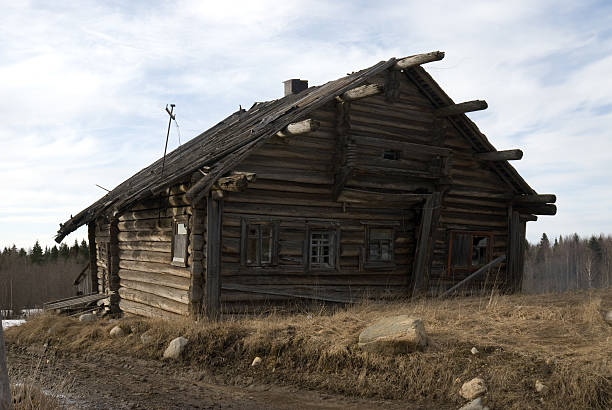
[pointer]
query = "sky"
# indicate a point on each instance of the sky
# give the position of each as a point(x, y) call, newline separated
point(84, 85)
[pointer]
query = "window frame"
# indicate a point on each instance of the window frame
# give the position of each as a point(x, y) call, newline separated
point(176, 221)
point(391, 152)
point(368, 263)
point(469, 268)
point(334, 247)
point(245, 223)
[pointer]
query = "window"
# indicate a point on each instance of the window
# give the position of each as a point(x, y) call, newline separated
point(380, 244)
point(322, 249)
point(391, 154)
point(180, 241)
point(469, 250)
point(259, 243)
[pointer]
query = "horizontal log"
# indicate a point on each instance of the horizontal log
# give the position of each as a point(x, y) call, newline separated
point(162, 279)
point(158, 290)
point(536, 199)
point(140, 309)
point(153, 236)
point(361, 92)
point(418, 59)
point(298, 128)
point(528, 217)
point(146, 246)
point(545, 209)
point(506, 155)
point(407, 146)
point(154, 268)
point(461, 108)
point(154, 301)
point(145, 256)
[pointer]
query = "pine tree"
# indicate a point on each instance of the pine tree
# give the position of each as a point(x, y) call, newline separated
point(64, 251)
point(36, 254)
point(54, 253)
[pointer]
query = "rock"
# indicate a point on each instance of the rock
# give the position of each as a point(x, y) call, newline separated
point(394, 334)
point(256, 361)
point(474, 350)
point(472, 389)
point(475, 404)
point(147, 338)
point(540, 387)
point(87, 317)
point(608, 317)
point(175, 348)
point(117, 332)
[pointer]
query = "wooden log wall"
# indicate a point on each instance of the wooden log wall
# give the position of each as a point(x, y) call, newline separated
point(149, 285)
point(102, 241)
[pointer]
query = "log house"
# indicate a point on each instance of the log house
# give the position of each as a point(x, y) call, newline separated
point(374, 185)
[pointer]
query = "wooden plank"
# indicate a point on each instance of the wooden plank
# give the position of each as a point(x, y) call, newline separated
point(506, 155)
point(93, 265)
point(461, 108)
point(418, 59)
point(423, 242)
point(471, 277)
point(151, 267)
point(212, 286)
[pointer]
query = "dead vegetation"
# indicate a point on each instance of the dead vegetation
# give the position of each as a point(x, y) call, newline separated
point(560, 340)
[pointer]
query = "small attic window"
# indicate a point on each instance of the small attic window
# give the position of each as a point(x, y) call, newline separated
point(180, 241)
point(391, 154)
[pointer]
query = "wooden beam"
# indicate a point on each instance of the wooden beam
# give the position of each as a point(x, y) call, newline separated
point(536, 199)
point(341, 177)
point(528, 218)
point(418, 59)
point(93, 257)
point(196, 285)
point(506, 155)
point(486, 267)
point(420, 261)
point(113, 272)
point(461, 108)
point(360, 92)
point(408, 146)
point(240, 288)
point(298, 128)
point(543, 209)
point(212, 286)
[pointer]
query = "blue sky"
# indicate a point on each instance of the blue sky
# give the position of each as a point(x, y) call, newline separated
point(84, 87)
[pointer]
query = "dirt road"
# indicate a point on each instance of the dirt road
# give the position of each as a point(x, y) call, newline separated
point(106, 381)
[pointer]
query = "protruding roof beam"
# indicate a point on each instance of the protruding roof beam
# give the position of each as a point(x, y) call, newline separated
point(361, 92)
point(507, 155)
point(537, 209)
point(297, 128)
point(418, 59)
point(536, 199)
point(461, 108)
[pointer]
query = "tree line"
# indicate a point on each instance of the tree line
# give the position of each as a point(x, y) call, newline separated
point(568, 263)
point(37, 275)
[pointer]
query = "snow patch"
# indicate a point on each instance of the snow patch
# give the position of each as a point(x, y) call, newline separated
point(9, 323)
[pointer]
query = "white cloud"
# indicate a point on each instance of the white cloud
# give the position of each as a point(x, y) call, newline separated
point(86, 83)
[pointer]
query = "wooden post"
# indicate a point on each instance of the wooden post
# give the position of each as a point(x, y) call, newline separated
point(420, 262)
point(93, 263)
point(5, 387)
point(196, 293)
point(113, 271)
point(212, 287)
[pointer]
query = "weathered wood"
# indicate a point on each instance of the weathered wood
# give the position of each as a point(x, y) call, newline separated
point(297, 128)
point(542, 209)
point(472, 276)
point(140, 309)
point(420, 262)
point(408, 146)
point(154, 300)
point(172, 281)
point(161, 236)
point(536, 199)
point(113, 267)
point(146, 246)
point(146, 256)
point(361, 92)
point(93, 257)
point(157, 289)
point(164, 268)
point(196, 285)
point(461, 108)
point(418, 59)
point(506, 155)
point(212, 286)
point(241, 288)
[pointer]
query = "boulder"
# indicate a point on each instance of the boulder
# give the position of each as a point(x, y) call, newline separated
point(175, 348)
point(475, 404)
point(394, 334)
point(540, 387)
point(608, 317)
point(117, 332)
point(87, 317)
point(256, 361)
point(472, 389)
point(147, 338)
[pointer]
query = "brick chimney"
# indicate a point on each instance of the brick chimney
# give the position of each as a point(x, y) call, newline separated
point(295, 85)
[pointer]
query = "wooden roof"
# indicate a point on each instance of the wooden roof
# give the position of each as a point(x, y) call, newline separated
point(223, 146)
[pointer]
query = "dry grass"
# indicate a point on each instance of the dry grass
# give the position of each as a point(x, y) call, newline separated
point(561, 340)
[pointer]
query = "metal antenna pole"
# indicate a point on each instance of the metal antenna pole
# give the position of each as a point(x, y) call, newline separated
point(172, 117)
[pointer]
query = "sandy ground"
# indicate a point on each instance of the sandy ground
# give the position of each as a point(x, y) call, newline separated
point(106, 381)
